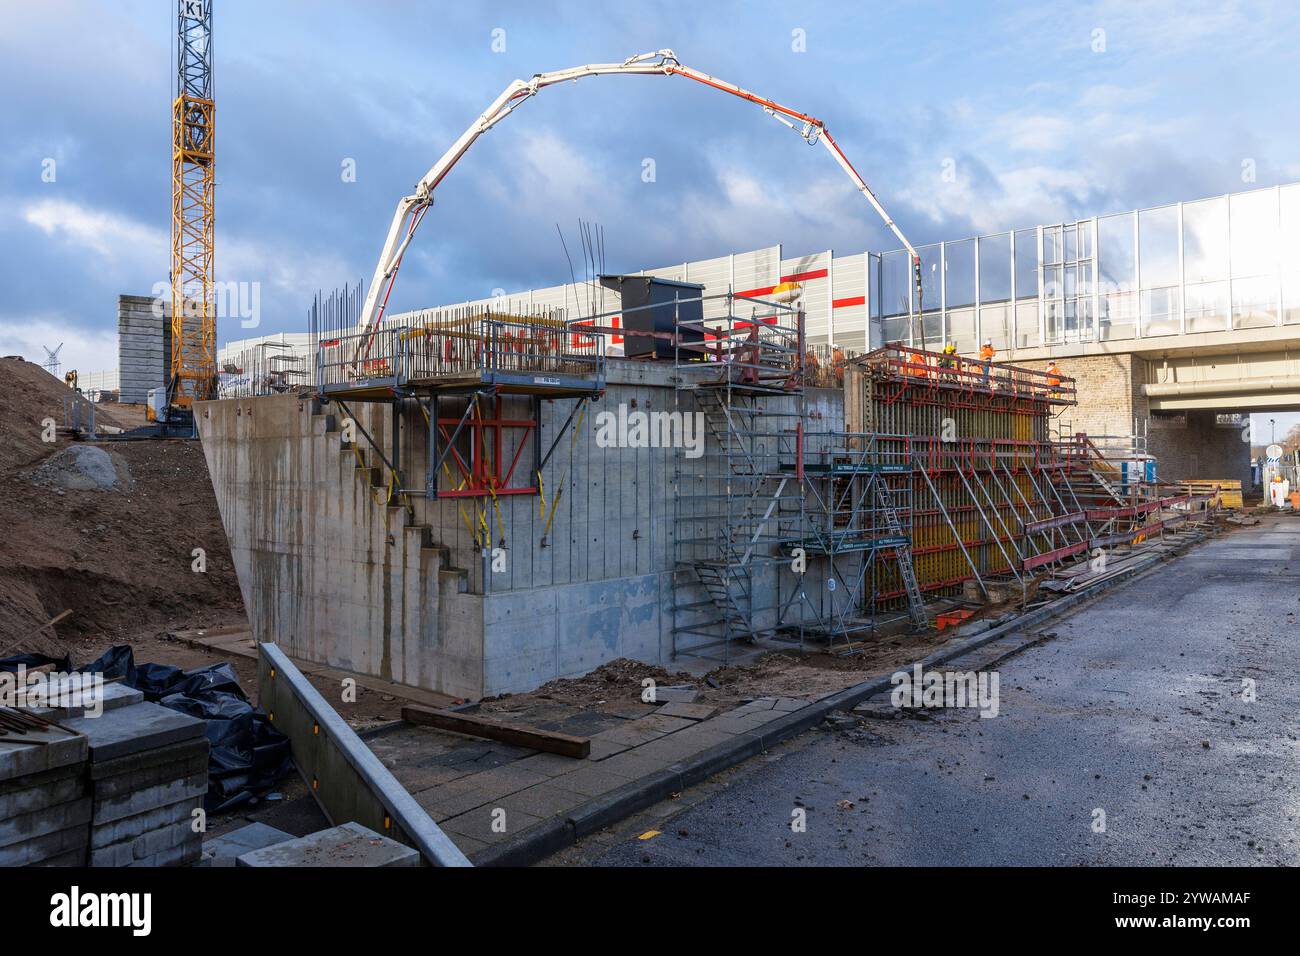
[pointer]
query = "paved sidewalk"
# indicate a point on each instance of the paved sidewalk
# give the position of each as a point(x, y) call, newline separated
point(500, 802)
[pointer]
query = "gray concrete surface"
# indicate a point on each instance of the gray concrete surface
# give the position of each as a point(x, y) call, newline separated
point(348, 845)
point(1136, 709)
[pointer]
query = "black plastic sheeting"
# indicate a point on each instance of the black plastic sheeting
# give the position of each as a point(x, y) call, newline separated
point(11, 664)
point(246, 756)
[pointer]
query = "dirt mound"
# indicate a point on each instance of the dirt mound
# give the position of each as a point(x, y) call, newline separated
point(120, 559)
point(616, 680)
point(29, 395)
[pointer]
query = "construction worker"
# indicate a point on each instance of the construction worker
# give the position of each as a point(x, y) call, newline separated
point(986, 356)
point(917, 364)
point(811, 366)
point(1053, 379)
point(837, 364)
point(948, 360)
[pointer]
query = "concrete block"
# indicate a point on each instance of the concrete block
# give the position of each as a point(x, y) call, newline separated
point(130, 730)
point(63, 787)
point(676, 695)
point(663, 723)
point(69, 841)
point(183, 854)
point(149, 768)
point(225, 849)
point(76, 857)
point(58, 749)
point(27, 826)
point(148, 845)
point(689, 711)
point(149, 797)
point(129, 828)
point(112, 696)
point(348, 845)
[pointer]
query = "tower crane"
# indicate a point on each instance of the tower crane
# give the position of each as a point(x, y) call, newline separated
point(411, 209)
point(192, 363)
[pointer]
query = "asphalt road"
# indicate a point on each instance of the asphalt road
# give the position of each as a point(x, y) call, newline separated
point(1136, 709)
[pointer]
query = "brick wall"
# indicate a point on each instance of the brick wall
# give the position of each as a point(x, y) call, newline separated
point(1109, 398)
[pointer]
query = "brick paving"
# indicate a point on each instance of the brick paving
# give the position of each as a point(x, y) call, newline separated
point(483, 792)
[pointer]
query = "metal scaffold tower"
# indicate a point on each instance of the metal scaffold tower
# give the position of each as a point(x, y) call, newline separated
point(857, 507)
point(193, 368)
point(737, 504)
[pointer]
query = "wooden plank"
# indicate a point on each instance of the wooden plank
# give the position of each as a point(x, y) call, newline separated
point(545, 740)
point(62, 615)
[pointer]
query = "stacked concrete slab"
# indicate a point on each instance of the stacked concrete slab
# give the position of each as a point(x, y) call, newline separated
point(45, 796)
point(44, 804)
point(147, 772)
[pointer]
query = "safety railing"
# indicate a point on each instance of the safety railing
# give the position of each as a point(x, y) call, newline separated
point(463, 342)
point(940, 369)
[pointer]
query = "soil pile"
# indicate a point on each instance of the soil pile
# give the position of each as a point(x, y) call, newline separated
point(107, 530)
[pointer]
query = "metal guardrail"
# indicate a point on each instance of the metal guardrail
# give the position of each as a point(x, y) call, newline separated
point(459, 343)
point(902, 361)
point(347, 780)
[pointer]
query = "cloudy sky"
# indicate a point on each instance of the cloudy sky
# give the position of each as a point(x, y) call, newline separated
point(1044, 111)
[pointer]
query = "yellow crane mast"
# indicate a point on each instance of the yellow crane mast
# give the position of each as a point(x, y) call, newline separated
point(193, 365)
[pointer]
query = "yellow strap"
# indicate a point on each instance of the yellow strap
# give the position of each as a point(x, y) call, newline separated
point(573, 444)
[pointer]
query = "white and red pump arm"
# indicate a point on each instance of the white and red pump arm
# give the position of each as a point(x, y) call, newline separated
point(411, 210)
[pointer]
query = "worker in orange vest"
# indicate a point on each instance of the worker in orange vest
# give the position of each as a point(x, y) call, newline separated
point(837, 364)
point(811, 366)
point(1054, 379)
point(986, 356)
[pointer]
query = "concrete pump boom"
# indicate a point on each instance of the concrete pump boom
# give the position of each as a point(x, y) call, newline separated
point(411, 210)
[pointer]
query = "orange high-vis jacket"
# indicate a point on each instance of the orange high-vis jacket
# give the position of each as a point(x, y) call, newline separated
point(986, 352)
point(1053, 375)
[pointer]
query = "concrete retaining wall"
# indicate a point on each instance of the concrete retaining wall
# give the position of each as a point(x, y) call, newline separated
point(326, 571)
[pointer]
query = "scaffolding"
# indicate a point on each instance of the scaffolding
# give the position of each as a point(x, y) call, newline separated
point(736, 508)
point(797, 515)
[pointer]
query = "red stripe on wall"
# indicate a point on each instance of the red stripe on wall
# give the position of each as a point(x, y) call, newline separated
point(850, 301)
point(805, 276)
point(793, 277)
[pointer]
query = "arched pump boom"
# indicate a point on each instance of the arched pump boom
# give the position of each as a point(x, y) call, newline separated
point(412, 208)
